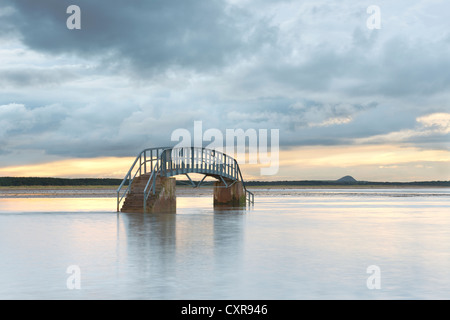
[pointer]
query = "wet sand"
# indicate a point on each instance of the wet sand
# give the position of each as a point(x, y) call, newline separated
point(84, 192)
point(184, 191)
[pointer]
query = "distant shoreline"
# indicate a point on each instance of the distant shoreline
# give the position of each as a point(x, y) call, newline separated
point(29, 187)
point(249, 186)
point(342, 186)
point(107, 183)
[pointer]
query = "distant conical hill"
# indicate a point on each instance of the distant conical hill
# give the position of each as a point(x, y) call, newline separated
point(347, 179)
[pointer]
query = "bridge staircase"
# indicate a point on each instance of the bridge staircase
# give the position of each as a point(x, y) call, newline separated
point(135, 197)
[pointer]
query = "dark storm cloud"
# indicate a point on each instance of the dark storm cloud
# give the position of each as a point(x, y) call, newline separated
point(398, 67)
point(148, 38)
point(145, 35)
point(25, 126)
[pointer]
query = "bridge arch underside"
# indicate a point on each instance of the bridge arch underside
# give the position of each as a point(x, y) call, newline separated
point(227, 180)
point(227, 191)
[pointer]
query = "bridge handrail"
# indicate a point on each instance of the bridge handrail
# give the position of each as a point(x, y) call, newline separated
point(142, 164)
point(251, 196)
point(153, 176)
point(211, 157)
point(227, 161)
point(127, 178)
point(155, 171)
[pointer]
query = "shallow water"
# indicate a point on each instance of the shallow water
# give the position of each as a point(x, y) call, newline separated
point(293, 244)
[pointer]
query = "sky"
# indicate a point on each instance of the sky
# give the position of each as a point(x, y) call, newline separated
point(347, 99)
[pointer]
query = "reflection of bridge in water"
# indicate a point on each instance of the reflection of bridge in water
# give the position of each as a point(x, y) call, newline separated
point(195, 254)
point(148, 186)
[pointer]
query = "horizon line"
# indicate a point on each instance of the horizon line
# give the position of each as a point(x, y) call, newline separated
point(247, 181)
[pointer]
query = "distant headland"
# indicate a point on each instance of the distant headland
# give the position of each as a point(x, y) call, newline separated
point(348, 181)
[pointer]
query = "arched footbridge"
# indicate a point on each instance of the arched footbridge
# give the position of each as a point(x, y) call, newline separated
point(148, 186)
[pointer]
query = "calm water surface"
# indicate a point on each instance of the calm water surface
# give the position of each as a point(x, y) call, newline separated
point(293, 244)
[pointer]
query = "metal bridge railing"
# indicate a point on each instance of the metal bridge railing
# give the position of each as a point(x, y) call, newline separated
point(198, 160)
point(143, 163)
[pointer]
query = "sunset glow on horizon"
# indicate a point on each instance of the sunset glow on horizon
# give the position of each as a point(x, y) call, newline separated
point(374, 163)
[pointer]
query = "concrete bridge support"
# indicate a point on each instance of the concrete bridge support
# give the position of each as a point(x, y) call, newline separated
point(163, 201)
point(233, 195)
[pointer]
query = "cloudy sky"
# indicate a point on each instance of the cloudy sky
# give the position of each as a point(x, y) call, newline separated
point(347, 99)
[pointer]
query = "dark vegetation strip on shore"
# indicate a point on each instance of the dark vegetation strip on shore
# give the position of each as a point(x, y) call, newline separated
point(34, 181)
point(354, 183)
point(37, 181)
